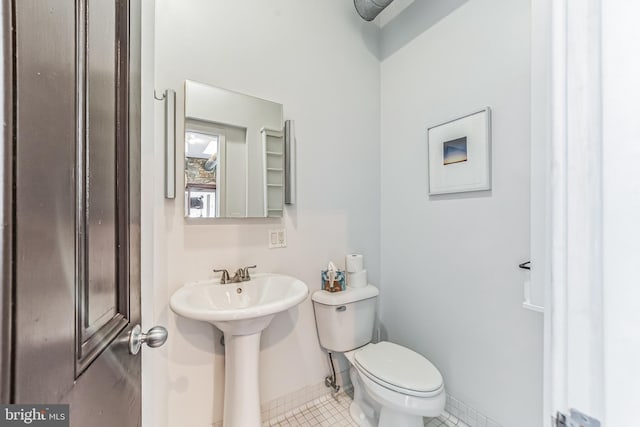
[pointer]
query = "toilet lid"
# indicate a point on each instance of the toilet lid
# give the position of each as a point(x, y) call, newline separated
point(399, 367)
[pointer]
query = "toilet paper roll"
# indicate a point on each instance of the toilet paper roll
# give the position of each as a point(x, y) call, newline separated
point(357, 279)
point(354, 263)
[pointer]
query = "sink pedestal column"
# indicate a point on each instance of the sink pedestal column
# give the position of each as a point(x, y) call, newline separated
point(241, 311)
point(241, 383)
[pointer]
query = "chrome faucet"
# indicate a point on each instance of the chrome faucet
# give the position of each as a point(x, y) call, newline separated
point(238, 277)
point(224, 279)
point(245, 273)
point(241, 275)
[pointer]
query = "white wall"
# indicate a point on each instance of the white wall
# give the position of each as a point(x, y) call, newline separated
point(451, 287)
point(311, 57)
point(147, 192)
point(621, 208)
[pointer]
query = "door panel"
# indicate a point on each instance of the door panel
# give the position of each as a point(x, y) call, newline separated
point(45, 200)
point(101, 211)
point(77, 283)
point(102, 286)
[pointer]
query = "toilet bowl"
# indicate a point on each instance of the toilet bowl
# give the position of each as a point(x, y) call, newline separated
point(393, 385)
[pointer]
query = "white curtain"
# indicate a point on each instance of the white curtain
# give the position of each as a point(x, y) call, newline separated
point(592, 310)
point(575, 312)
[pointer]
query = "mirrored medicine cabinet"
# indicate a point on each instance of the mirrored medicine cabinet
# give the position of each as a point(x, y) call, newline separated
point(234, 162)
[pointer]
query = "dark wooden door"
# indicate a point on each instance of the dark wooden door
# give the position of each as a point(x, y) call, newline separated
point(76, 222)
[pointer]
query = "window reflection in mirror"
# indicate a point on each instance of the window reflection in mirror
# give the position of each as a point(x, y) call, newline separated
point(200, 169)
point(215, 170)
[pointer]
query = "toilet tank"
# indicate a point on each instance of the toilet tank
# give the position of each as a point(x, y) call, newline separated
point(345, 320)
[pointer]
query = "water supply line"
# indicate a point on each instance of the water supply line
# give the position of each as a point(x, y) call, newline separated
point(331, 381)
point(369, 9)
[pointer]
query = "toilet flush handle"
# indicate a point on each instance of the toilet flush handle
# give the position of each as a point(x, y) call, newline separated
point(341, 308)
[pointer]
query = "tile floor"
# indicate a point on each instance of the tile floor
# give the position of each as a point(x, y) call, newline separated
point(326, 411)
point(333, 411)
point(444, 420)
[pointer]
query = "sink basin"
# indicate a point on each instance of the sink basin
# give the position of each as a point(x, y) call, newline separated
point(242, 311)
point(239, 308)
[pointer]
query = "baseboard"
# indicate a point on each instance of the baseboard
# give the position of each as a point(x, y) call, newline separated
point(466, 414)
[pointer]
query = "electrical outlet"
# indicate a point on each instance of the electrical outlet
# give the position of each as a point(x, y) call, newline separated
point(277, 238)
point(282, 238)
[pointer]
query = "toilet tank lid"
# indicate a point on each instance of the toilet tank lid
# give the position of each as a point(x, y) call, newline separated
point(345, 297)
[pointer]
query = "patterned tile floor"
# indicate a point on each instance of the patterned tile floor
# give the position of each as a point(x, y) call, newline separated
point(444, 420)
point(333, 411)
point(326, 411)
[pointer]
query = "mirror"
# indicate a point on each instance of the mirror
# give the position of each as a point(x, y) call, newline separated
point(234, 154)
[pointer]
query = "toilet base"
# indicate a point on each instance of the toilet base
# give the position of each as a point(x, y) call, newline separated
point(391, 418)
point(370, 409)
point(359, 416)
point(363, 410)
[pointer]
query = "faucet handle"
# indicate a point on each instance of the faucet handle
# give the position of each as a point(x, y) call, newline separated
point(245, 272)
point(224, 279)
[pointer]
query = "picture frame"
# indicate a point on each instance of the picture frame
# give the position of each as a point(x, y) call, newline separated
point(459, 154)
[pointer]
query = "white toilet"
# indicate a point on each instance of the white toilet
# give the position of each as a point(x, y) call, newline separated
point(393, 386)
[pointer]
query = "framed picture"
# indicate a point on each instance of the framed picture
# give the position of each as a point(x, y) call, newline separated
point(460, 154)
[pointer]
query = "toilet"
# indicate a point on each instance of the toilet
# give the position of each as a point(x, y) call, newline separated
point(393, 385)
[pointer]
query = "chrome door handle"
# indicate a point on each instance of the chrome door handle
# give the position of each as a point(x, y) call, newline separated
point(155, 337)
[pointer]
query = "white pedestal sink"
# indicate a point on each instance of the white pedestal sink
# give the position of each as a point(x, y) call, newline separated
point(241, 311)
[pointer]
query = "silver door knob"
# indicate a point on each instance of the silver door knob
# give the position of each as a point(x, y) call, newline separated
point(154, 338)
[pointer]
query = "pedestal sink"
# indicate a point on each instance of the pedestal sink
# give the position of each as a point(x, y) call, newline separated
point(241, 311)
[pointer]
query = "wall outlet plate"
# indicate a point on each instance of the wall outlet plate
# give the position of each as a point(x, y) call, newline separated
point(277, 238)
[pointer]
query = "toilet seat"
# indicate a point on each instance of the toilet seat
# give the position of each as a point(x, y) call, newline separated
point(399, 369)
point(401, 402)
